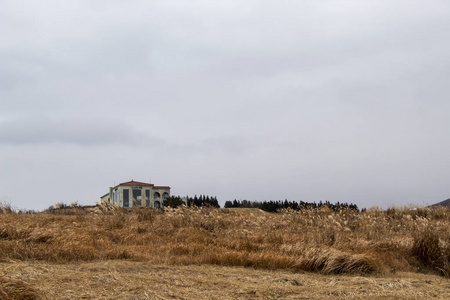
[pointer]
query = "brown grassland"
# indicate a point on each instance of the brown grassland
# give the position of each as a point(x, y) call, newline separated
point(206, 253)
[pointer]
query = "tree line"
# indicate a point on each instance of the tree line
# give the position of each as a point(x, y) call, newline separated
point(202, 200)
point(269, 206)
point(274, 206)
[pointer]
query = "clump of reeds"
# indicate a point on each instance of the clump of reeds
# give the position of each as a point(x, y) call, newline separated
point(432, 252)
point(332, 261)
point(15, 289)
point(6, 208)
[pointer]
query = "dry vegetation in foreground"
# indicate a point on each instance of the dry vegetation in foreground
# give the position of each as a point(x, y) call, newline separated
point(347, 242)
point(120, 279)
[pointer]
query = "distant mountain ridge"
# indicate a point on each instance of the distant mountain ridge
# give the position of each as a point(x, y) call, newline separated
point(443, 203)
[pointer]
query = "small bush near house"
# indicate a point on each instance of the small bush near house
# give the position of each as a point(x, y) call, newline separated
point(173, 201)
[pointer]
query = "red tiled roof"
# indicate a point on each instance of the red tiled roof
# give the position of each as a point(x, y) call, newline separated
point(161, 187)
point(132, 182)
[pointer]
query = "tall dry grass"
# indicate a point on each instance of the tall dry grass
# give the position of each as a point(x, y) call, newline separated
point(6, 208)
point(374, 241)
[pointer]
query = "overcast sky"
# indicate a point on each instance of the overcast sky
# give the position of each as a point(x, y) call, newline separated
point(260, 100)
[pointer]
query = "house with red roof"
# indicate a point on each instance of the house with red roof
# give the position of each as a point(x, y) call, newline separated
point(136, 194)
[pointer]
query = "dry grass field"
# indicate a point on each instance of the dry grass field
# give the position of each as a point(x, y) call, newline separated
point(124, 279)
point(189, 253)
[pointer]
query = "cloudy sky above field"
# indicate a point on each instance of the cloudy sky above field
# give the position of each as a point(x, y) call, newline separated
point(261, 100)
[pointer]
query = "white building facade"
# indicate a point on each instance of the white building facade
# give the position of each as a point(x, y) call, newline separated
point(137, 194)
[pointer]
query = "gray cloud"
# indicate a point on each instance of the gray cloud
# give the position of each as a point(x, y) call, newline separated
point(70, 131)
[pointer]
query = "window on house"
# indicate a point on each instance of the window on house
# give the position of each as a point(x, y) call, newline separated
point(126, 198)
point(147, 198)
point(137, 196)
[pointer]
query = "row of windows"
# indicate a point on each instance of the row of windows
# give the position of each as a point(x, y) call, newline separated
point(137, 197)
point(140, 203)
point(157, 195)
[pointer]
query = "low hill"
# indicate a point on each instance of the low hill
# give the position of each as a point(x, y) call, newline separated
point(443, 203)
